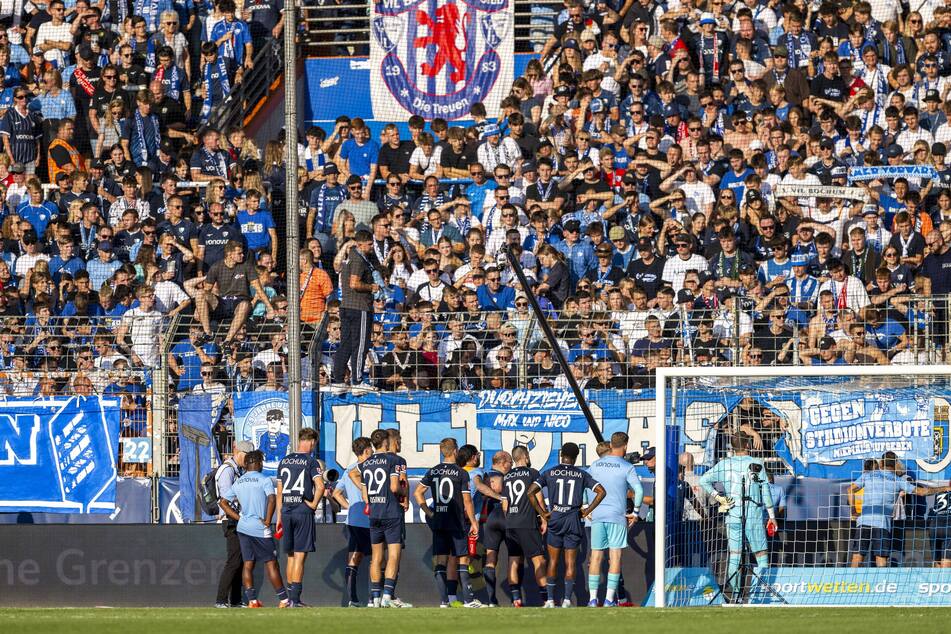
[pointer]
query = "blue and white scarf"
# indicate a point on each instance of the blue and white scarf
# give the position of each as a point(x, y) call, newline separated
point(223, 81)
point(143, 141)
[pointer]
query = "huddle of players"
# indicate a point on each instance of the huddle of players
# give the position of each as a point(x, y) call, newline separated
point(511, 509)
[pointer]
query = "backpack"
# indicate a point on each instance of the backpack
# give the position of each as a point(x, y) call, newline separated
point(208, 494)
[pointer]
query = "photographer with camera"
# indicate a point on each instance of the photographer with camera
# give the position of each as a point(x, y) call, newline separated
point(746, 493)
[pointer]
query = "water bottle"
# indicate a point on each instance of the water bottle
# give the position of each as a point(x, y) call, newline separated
point(473, 545)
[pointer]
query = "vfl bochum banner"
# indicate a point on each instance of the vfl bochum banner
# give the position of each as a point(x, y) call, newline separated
point(435, 58)
point(860, 425)
point(59, 455)
point(530, 410)
point(262, 418)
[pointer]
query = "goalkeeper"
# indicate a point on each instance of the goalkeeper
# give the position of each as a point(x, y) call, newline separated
point(737, 475)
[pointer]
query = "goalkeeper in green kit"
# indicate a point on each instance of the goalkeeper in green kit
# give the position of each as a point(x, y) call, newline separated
point(742, 475)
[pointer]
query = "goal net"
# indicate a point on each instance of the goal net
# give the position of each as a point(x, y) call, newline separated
point(824, 488)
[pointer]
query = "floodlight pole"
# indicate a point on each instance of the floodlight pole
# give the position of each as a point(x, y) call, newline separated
point(292, 239)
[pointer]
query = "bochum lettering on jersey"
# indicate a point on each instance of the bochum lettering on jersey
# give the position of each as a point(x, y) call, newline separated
point(18, 439)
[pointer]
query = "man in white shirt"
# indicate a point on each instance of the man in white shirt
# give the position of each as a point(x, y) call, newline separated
point(170, 299)
point(143, 325)
point(912, 132)
point(495, 150)
point(54, 38)
point(847, 290)
point(676, 267)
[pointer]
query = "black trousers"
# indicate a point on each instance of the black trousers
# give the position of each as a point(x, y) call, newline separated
point(355, 329)
point(229, 584)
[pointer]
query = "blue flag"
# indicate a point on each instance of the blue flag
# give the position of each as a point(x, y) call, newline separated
point(197, 451)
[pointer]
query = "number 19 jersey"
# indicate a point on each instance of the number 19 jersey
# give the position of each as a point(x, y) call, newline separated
point(515, 483)
point(447, 483)
point(376, 472)
point(566, 484)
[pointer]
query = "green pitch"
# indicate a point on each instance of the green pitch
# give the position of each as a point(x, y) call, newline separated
point(460, 621)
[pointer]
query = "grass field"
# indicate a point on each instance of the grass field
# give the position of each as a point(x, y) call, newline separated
point(435, 621)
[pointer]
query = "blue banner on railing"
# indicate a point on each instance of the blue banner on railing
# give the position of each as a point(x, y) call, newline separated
point(197, 452)
point(425, 418)
point(859, 425)
point(530, 410)
point(262, 418)
point(59, 455)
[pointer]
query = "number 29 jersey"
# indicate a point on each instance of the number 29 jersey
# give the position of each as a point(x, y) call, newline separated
point(447, 483)
point(515, 483)
point(376, 472)
point(566, 484)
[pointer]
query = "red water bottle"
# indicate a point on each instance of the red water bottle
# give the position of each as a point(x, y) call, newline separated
point(770, 528)
point(279, 531)
point(473, 545)
point(366, 510)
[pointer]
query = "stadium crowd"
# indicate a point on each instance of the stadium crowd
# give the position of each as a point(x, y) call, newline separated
point(633, 171)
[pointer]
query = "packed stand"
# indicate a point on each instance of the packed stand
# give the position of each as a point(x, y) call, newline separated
point(636, 181)
point(124, 209)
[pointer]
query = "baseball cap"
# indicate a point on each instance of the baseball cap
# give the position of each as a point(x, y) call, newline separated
point(529, 166)
point(707, 18)
point(826, 343)
point(354, 180)
point(780, 51)
point(753, 195)
point(799, 259)
point(670, 110)
point(104, 245)
point(939, 148)
point(563, 90)
point(747, 268)
point(572, 43)
point(649, 454)
point(572, 225)
point(827, 144)
point(870, 210)
point(605, 248)
point(645, 244)
point(894, 151)
point(684, 296)
point(17, 168)
point(615, 233)
point(243, 446)
point(490, 130)
point(331, 168)
point(932, 95)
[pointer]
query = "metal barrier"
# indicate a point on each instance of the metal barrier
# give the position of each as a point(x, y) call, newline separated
point(332, 29)
point(255, 86)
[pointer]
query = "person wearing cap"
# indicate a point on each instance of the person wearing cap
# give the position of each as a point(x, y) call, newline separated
point(647, 269)
point(605, 274)
point(826, 353)
point(803, 289)
point(103, 266)
point(624, 251)
point(793, 80)
point(495, 150)
point(827, 163)
point(229, 583)
point(712, 48)
point(931, 81)
point(578, 252)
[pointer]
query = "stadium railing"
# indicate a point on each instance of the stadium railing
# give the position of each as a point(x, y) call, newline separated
point(343, 29)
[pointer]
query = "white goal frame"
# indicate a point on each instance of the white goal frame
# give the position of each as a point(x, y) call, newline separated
point(663, 375)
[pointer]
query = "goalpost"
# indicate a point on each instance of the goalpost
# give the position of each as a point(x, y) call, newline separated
point(816, 429)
